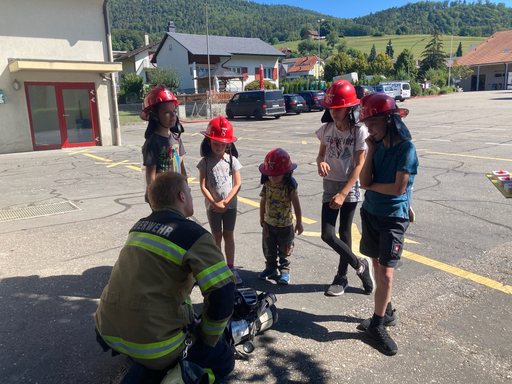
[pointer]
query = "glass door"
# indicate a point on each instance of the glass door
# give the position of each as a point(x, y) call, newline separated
point(62, 115)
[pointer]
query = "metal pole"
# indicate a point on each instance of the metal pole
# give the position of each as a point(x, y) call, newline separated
point(450, 67)
point(409, 59)
point(319, 23)
point(208, 55)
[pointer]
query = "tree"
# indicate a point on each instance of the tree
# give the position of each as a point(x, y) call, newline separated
point(274, 41)
point(461, 72)
point(401, 64)
point(337, 65)
point(255, 85)
point(360, 65)
point(133, 86)
point(373, 54)
point(308, 46)
point(332, 38)
point(381, 65)
point(433, 55)
point(389, 50)
point(169, 77)
point(459, 50)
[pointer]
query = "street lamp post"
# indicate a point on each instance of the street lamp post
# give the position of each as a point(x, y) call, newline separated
point(319, 23)
point(409, 59)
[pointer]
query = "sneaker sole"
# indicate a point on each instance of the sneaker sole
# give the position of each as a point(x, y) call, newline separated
point(370, 267)
point(379, 347)
point(330, 293)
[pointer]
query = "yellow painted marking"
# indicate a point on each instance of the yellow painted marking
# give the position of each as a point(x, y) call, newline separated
point(273, 140)
point(305, 220)
point(191, 180)
point(134, 168)
point(194, 134)
point(304, 142)
point(476, 157)
point(239, 138)
point(458, 272)
point(97, 157)
point(79, 151)
point(356, 238)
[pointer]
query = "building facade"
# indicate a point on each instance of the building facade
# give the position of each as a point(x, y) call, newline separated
point(56, 83)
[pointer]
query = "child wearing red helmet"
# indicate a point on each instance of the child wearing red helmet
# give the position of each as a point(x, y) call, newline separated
point(278, 194)
point(163, 150)
point(387, 176)
point(220, 181)
point(340, 160)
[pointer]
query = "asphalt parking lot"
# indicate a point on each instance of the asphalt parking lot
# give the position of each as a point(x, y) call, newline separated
point(452, 289)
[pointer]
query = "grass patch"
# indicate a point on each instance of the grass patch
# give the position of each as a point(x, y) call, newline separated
point(126, 117)
point(399, 42)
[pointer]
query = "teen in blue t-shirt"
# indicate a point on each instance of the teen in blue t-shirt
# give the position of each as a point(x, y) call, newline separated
point(387, 175)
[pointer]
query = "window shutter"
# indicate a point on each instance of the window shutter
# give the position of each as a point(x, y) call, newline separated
point(244, 72)
point(257, 73)
point(274, 74)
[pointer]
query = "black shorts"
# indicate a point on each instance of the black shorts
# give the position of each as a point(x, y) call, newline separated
point(219, 221)
point(382, 237)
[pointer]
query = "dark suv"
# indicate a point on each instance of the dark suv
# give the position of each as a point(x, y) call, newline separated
point(294, 103)
point(268, 102)
point(313, 99)
point(363, 90)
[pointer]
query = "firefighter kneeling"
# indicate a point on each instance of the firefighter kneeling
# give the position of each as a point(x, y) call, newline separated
point(145, 310)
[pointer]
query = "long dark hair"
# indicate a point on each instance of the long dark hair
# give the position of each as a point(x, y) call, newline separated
point(288, 181)
point(153, 124)
point(205, 150)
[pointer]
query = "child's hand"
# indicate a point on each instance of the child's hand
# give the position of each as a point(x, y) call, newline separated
point(337, 201)
point(261, 221)
point(323, 169)
point(371, 143)
point(299, 229)
point(220, 207)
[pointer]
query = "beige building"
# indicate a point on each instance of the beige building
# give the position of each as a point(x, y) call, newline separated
point(56, 75)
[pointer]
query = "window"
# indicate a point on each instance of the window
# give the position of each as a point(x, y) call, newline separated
point(236, 69)
point(499, 75)
point(267, 73)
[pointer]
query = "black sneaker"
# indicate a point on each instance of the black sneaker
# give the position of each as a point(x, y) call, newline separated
point(338, 286)
point(385, 343)
point(389, 321)
point(367, 277)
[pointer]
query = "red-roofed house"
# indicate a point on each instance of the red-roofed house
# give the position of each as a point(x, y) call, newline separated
point(306, 66)
point(491, 63)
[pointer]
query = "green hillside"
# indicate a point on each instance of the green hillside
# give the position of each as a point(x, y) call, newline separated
point(399, 43)
point(131, 18)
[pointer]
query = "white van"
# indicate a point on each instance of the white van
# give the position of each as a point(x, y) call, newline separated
point(401, 89)
point(385, 88)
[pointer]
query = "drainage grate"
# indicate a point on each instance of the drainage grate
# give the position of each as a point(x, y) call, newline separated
point(38, 211)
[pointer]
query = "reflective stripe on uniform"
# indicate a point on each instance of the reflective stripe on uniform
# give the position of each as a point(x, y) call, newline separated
point(214, 274)
point(188, 301)
point(158, 245)
point(211, 376)
point(145, 351)
point(211, 328)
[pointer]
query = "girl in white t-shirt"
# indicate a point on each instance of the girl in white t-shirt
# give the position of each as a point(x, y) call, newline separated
point(220, 181)
point(340, 160)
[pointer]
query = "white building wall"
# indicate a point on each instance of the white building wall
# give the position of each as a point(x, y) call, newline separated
point(490, 72)
point(251, 62)
point(173, 55)
point(51, 30)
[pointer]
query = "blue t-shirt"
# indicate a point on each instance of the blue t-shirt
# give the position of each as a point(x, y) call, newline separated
point(386, 163)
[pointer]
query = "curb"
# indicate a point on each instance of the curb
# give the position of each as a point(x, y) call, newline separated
point(424, 97)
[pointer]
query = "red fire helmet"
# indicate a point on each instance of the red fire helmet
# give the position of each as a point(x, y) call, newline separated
point(341, 94)
point(159, 94)
point(379, 104)
point(220, 129)
point(277, 162)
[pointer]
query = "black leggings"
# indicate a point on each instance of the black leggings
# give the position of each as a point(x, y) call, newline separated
point(343, 245)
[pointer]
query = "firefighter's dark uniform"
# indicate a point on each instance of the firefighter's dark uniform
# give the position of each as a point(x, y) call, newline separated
point(145, 308)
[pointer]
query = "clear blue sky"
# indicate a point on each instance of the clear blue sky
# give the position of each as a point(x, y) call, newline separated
point(350, 9)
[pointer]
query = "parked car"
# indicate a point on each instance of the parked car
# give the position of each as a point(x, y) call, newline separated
point(363, 90)
point(268, 102)
point(313, 99)
point(294, 103)
point(386, 89)
point(401, 89)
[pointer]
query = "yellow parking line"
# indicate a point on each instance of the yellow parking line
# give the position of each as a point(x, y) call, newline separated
point(134, 168)
point(257, 205)
point(304, 142)
point(97, 157)
point(356, 238)
point(191, 180)
point(476, 157)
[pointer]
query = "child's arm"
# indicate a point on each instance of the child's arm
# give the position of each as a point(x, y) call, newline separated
point(237, 184)
point(323, 167)
point(298, 212)
point(397, 188)
point(366, 175)
point(338, 199)
point(202, 182)
point(182, 168)
point(150, 173)
point(263, 202)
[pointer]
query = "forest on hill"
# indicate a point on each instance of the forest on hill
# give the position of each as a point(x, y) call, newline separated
point(130, 19)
